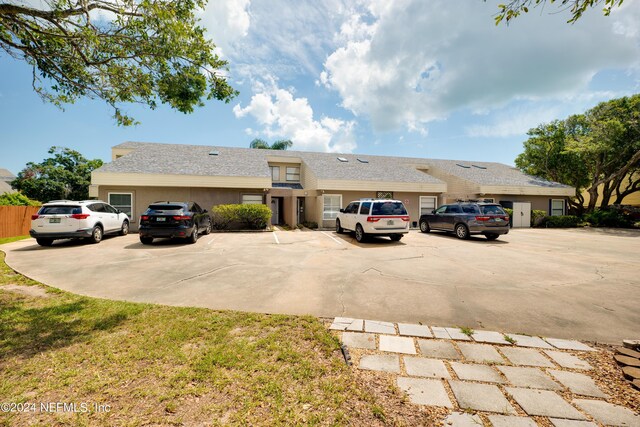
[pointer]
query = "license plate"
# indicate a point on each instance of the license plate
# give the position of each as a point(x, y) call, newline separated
point(54, 220)
point(390, 222)
point(161, 219)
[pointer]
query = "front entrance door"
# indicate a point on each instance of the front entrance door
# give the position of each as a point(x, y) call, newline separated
point(300, 210)
point(275, 211)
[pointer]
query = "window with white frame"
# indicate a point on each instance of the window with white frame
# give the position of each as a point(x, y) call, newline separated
point(275, 173)
point(557, 207)
point(331, 204)
point(123, 202)
point(293, 173)
point(427, 204)
point(252, 199)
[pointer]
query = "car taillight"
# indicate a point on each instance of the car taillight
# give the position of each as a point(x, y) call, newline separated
point(35, 216)
point(483, 218)
point(505, 217)
point(405, 218)
point(144, 218)
point(80, 216)
point(181, 217)
point(373, 219)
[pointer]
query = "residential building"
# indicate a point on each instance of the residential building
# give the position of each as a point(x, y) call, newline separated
point(303, 186)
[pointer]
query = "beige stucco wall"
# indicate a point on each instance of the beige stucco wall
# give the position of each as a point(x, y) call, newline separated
point(537, 202)
point(205, 197)
point(457, 188)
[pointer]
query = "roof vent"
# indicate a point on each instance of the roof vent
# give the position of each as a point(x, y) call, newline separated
point(478, 167)
point(463, 166)
point(214, 153)
point(363, 160)
point(342, 159)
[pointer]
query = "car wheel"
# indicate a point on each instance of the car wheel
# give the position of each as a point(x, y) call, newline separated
point(360, 235)
point(124, 230)
point(44, 242)
point(146, 240)
point(424, 227)
point(194, 236)
point(492, 236)
point(96, 234)
point(339, 228)
point(207, 230)
point(396, 237)
point(462, 231)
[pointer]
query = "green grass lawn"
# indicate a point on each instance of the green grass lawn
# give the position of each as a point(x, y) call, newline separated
point(158, 365)
point(4, 240)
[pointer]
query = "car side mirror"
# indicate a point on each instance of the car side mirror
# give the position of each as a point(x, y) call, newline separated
point(433, 211)
point(204, 211)
point(341, 210)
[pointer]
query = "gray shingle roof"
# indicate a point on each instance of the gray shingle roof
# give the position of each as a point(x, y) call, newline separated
point(6, 175)
point(5, 188)
point(176, 159)
point(231, 161)
point(490, 173)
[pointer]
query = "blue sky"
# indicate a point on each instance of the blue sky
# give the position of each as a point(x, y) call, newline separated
point(423, 79)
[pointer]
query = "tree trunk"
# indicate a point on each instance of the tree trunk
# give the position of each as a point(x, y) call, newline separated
point(607, 189)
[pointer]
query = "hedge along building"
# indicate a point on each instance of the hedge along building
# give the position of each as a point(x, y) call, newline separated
point(304, 186)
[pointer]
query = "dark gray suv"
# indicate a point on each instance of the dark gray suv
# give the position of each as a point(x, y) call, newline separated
point(467, 218)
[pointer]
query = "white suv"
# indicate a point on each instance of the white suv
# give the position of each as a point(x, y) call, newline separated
point(374, 216)
point(65, 219)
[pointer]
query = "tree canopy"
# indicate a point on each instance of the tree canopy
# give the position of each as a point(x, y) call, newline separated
point(16, 199)
point(281, 144)
point(65, 175)
point(598, 151)
point(120, 51)
point(513, 8)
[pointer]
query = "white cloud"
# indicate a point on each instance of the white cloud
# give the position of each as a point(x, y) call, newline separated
point(227, 21)
point(284, 116)
point(409, 62)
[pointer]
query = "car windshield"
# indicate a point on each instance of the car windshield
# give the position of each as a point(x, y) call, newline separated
point(492, 210)
point(166, 207)
point(60, 210)
point(388, 208)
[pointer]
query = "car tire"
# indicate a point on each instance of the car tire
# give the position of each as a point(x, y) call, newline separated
point(207, 230)
point(424, 227)
point(491, 236)
point(194, 236)
point(462, 232)
point(146, 240)
point(96, 235)
point(360, 234)
point(45, 242)
point(339, 228)
point(396, 237)
point(124, 230)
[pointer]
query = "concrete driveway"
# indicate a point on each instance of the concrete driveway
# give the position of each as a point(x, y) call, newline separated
point(581, 284)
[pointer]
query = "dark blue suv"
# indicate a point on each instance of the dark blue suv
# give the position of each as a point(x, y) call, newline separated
point(185, 220)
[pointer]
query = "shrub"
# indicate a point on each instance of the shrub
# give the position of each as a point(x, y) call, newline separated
point(608, 218)
point(17, 199)
point(564, 221)
point(222, 216)
point(310, 224)
point(252, 217)
point(537, 216)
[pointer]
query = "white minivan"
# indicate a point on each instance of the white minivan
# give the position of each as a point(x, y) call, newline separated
point(66, 219)
point(381, 217)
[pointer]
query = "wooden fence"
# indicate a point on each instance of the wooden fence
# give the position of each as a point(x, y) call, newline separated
point(16, 220)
